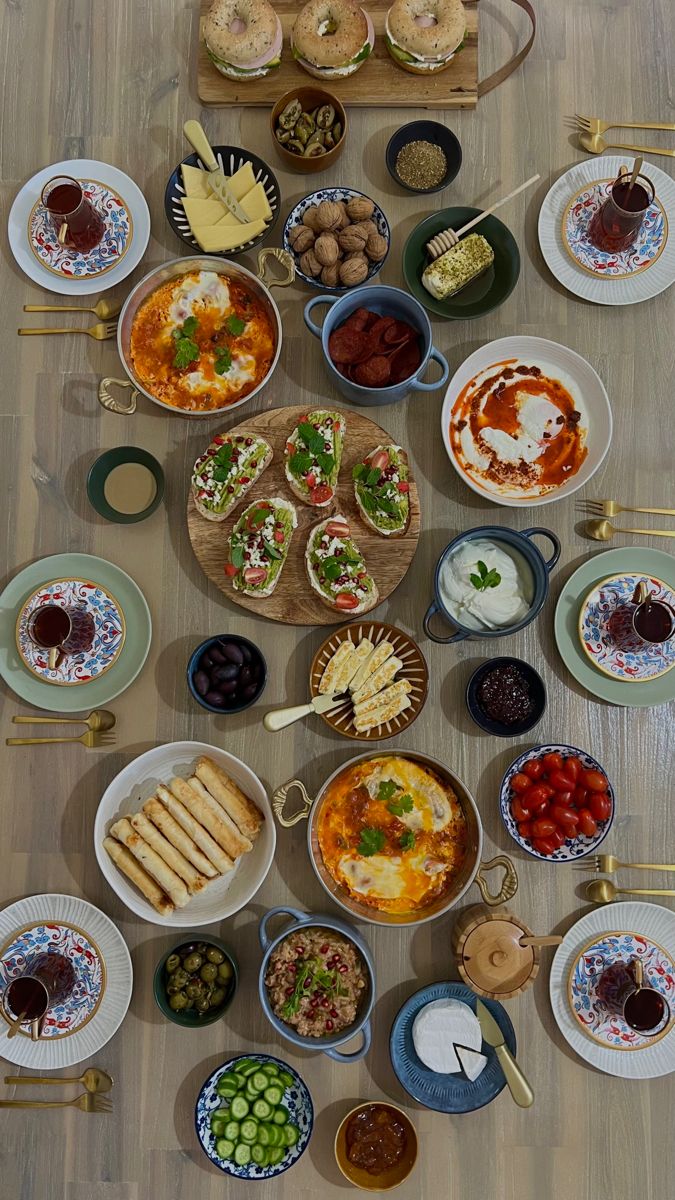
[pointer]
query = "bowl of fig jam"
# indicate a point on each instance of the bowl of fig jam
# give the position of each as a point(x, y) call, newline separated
point(376, 1146)
point(506, 697)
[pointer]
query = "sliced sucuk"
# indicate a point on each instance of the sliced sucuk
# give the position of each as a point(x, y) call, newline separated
point(344, 345)
point(373, 373)
point(405, 362)
point(357, 320)
point(399, 331)
point(379, 325)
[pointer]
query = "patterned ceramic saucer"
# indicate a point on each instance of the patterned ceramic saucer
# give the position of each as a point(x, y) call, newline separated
point(72, 943)
point(108, 639)
point(649, 244)
point(597, 1019)
point(63, 260)
point(607, 636)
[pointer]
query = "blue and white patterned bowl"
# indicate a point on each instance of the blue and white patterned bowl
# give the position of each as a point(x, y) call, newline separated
point(606, 630)
point(334, 194)
point(296, 1099)
point(573, 848)
point(109, 636)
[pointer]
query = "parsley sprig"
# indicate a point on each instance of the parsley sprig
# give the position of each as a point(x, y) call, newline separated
point(407, 840)
point(223, 360)
point(187, 350)
point(222, 463)
point(370, 841)
point(485, 579)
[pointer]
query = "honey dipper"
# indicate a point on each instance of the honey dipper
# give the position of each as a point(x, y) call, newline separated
point(450, 237)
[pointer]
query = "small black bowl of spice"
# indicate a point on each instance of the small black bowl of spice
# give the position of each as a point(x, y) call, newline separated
point(423, 156)
point(506, 697)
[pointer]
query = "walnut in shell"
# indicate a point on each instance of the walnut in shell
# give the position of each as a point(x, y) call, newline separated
point(368, 227)
point(329, 275)
point(376, 247)
point(352, 238)
point(360, 208)
point(344, 220)
point(309, 264)
point(329, 215)
point(310, 217)
point(301, 238)
point(326, 249)
point(353, 271)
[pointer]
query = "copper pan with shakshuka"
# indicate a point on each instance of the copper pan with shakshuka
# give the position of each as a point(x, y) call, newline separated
point(199, 336)
point(395, 838)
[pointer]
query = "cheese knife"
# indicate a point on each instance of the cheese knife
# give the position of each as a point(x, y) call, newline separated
point(517, 1083)
point(279, 718)
point(215, 178)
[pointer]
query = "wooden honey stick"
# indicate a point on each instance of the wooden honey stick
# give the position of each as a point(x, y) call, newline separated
point(450, 237)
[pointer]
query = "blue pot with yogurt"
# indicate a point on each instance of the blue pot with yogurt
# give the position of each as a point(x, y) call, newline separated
point(490, 582)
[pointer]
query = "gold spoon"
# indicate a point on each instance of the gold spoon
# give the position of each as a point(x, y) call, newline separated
point(98, 720)
point(104, 309)
point(93, 1079)
point(16, 1025)
point(602, 891)
point(596, 145)
point(602, 531)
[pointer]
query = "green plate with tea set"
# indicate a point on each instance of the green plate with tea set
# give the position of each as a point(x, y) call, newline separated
point(485, 293)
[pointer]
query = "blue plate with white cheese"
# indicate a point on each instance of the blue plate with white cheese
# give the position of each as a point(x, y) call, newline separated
point(448, 1091)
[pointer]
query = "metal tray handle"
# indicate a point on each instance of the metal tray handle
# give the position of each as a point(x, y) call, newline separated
point(279, 801)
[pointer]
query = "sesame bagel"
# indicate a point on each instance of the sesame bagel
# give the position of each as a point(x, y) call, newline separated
point(332, 38)
point(243, 38)
point(423, 35)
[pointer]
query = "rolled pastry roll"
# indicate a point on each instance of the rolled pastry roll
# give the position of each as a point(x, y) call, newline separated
point(156, 812)
point(221, 861)
point(240, 844)
point(243, 811)
point(174, 887)
point(133, 871)
point(172, 857)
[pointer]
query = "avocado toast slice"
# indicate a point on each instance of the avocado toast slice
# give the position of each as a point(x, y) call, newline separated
point(226, 471)
point(313, 456)
point(382, 490)
point(259, 545)
point(337, 569)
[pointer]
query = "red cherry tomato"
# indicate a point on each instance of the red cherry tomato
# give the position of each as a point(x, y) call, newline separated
point(279, 535)
point(543, 845)
point(520, 810)
point(553, 761)
point(595, 781)
point(290, 447)
point(257, 517)
point(580, 796)
point(561, 782)
point(535, 798)
point(403, 486)
point(600, 805)
point(255, 575)
point(563, 816)
point(562, 798)
point(587, 824)
point(230, 570)
point(320, 494)
point(533, 768)
point(338, 528)
point(543, 826)
point(520, 782)
point(573, 767)
point(346, 600)
point(525, 829)
point(557, 837)
point(380, 460)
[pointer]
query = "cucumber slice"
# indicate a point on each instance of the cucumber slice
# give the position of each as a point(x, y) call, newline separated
point(241, 1079)
point(239, 1107)
point(246, 1066)
point(262, 1109)
point(218, 1126)
point(275, 1154)
point(259, 1154)
point(264, 1135)
point(242, 1154)
point(270, 1069)
point(224, 1148)
point(286, 1079)
point(276, 1135)
point(226, 1090)
point(290, 1134)
point(229, 1079)
point(231, 1131)
point(223, 1112)
point(281, 1115)
point(249, 1130)
point(273, 1095)
point(259, 1081)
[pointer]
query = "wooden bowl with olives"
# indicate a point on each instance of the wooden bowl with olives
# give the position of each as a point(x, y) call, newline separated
point(309, 127)
point(195, 981)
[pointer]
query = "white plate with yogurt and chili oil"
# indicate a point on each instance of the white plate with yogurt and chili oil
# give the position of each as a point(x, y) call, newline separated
point(526, 421)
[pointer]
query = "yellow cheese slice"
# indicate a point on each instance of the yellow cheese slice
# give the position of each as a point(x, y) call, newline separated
point(242, 181)
point(204, 212)
point(255, 204)
point(194, 182)
point(215, 239)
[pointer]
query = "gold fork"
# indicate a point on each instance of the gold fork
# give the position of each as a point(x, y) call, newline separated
point(89, 1102)
point(103, 309)
point(92, 738)
point(610, 508)
point(101, 331)
point(607, 864)
point(595, 125)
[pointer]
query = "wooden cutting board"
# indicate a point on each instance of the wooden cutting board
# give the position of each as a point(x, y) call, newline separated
point(373, 85)
point(293, 602)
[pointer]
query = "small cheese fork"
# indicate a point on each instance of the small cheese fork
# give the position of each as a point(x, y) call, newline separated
point(610, 508)
point(91, 739)
point(595, 125)
point(100, 332)
point(103, 309)
point(88, 1102)
point(607, 864)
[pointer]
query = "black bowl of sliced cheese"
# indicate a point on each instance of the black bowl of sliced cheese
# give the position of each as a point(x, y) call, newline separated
point(203, 222)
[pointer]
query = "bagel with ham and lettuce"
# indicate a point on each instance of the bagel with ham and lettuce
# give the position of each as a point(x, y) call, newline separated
point(331, 39)
point(423, 36)
point(243, 38)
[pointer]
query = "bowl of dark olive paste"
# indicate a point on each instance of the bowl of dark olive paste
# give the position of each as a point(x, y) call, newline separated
point(506, 697)
point(376, 1146)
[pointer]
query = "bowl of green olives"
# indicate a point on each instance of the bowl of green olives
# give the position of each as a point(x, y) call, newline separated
point(195, 982)
point(309, 126)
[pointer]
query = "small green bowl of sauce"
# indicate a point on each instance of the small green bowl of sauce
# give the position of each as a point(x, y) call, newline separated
point(125, 485)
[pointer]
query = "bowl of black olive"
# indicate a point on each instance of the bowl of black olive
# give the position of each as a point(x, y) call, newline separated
point(195, 982)
point(506, 697)
point(226, 674)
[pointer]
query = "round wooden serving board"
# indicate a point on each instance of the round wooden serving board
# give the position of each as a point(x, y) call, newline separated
point(293, 602)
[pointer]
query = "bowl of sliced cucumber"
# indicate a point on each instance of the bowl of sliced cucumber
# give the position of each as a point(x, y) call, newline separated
point(254, 1117)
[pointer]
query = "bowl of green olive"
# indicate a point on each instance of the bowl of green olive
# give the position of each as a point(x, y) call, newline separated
point(195, 981)
point(309, 126)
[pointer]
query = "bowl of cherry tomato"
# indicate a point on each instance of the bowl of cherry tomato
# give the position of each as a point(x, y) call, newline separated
point(557, 803)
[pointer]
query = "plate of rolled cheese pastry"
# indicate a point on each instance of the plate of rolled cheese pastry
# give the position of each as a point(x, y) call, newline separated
point(379, 672)
point(184, 834)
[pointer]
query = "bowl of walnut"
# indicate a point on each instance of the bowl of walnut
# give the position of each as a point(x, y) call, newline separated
point(338, 237)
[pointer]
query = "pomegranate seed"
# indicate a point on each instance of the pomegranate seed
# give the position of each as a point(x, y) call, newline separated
point(249, 442)
point(289, 991)
point(333, 1012)
point(317, 994)
point(307, 983)
point(254, 463)
point(343, 968)
point(292, 968)
point(329, 1026)
point(244, 479)
point(325, 1003)
point(230, 488)
point(314, 1004)
point(337, 959)
point(324, 949)
point(299, 951)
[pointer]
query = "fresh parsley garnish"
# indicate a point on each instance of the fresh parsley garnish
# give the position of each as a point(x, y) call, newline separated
point(270, 550)
point(313, 440)
point(332, 568)
point(300, 463)
point(370, 841)
point(235, 325)
point(222, 463)
point(387, 789)
point(223, 360)
point(374, 502)
point(326, 462)
point(365, 474)
point(485, 579)
point(400, 805)
point(187, 350)
point(407, 840)
point(237, 556)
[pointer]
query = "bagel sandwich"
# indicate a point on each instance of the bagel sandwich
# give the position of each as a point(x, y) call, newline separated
point(243, 38)
point(423, 36)
point(332, 38)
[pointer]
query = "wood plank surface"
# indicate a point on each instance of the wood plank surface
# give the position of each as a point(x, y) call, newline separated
point(116, 81)
point(372, 85)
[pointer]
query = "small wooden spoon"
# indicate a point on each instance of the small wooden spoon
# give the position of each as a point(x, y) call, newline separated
point(553, 939)
point(16, 1025)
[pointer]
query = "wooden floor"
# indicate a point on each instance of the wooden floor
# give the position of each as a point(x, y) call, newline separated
point(115, 81)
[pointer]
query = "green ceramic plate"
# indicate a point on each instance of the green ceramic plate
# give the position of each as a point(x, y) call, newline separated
point(99, 472)
point(487, 292)
point(102, 689)
point(566, 625)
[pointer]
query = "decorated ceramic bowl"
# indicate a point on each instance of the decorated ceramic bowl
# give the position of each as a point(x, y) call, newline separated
point(334, 194)
point(82, 667)
point(78, 948)
point(601, 1020)
point(648, 246)
point(606, 630)
point(576, 847)
point(63, 260)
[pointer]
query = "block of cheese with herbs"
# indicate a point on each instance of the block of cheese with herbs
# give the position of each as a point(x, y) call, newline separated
point(213, 226)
